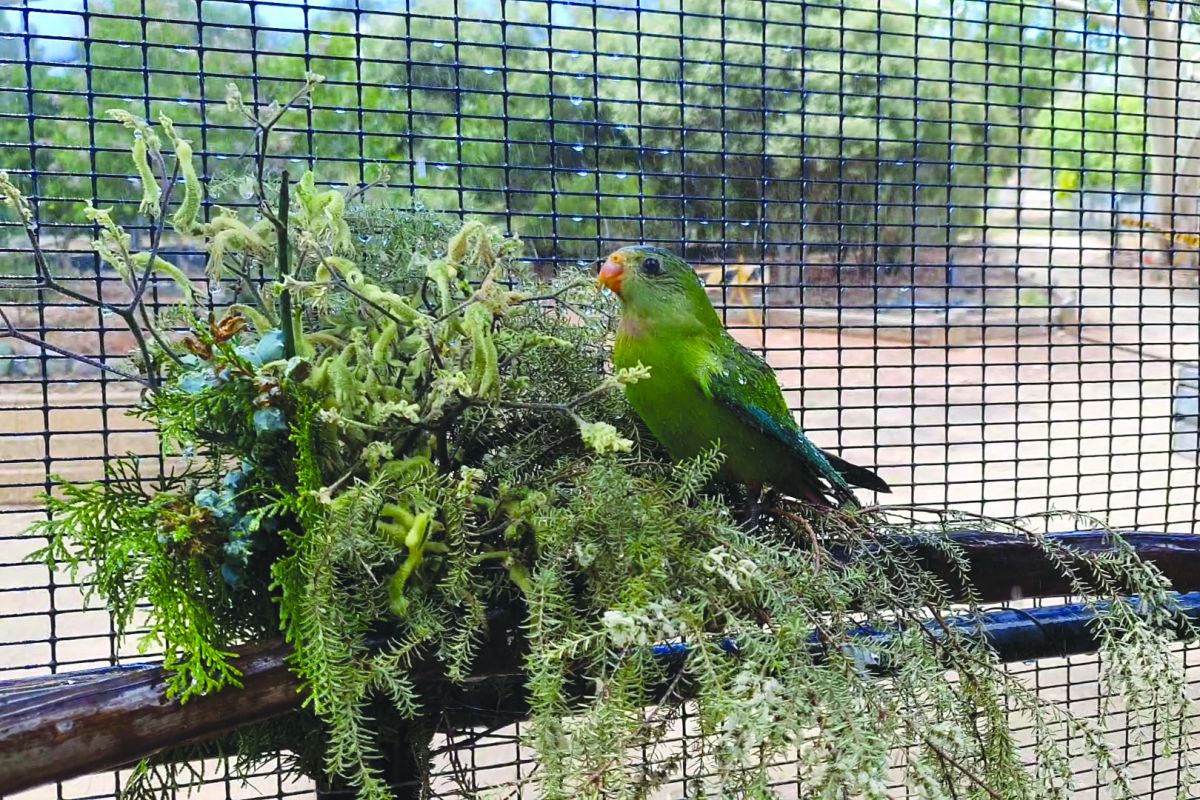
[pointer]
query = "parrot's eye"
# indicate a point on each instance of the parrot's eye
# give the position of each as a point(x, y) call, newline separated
point(650, 266)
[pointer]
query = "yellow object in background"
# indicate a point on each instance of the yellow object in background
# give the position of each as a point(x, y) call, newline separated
point(1186, 239)
point(739, 279)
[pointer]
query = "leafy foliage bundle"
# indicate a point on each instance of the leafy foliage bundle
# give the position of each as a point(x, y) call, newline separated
point(408, 430)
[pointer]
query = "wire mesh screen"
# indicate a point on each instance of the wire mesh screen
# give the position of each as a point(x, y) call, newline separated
point(964, 232)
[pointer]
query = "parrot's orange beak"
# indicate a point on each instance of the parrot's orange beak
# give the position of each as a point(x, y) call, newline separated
point(613, 273)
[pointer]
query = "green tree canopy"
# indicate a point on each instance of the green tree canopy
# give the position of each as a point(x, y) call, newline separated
point(831, 122)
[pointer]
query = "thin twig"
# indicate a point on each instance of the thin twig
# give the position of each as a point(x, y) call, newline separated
point(261, 139)
point(11, 330)
point(127, 312)
point(350, 290)
point(963, 769)
point(47, 281)
point(812, 535)
point(162, 343)
point(434, 350)
point(139, 287)
point(139, 338)
point(251, 286)
point(556, 296)
point(561, 408)
point(363, 188)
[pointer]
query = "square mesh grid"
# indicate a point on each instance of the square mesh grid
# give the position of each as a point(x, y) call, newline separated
point(922, 213)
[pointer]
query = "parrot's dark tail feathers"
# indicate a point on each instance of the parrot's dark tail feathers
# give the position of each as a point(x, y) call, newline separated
point(858, 476)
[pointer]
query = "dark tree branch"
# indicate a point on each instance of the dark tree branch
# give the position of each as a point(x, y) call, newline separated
point(286, 323)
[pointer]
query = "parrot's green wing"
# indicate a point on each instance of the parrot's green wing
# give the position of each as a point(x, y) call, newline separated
point(745, 385)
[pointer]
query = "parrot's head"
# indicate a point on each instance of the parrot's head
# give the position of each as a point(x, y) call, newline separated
point(658, 286)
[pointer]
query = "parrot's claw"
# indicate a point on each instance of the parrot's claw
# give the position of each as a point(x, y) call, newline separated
point(753, 510)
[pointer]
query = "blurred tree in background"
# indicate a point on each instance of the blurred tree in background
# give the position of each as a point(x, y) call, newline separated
point(778, 125)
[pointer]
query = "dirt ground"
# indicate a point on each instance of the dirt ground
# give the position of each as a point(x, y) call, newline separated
point(997, 427)
point(1002, 427)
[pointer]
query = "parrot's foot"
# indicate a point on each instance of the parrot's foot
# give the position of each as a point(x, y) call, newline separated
point(755, 507)
point(804, 526)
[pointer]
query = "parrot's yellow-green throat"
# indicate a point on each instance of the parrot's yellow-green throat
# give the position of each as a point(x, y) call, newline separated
point(706, 389)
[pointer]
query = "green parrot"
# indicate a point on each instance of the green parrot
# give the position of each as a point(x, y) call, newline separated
point(704, 387)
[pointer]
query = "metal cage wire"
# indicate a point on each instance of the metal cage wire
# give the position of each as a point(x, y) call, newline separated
point(930, 217)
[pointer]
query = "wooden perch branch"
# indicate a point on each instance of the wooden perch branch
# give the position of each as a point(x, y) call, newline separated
point(61, 726)
point(1009, 567)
